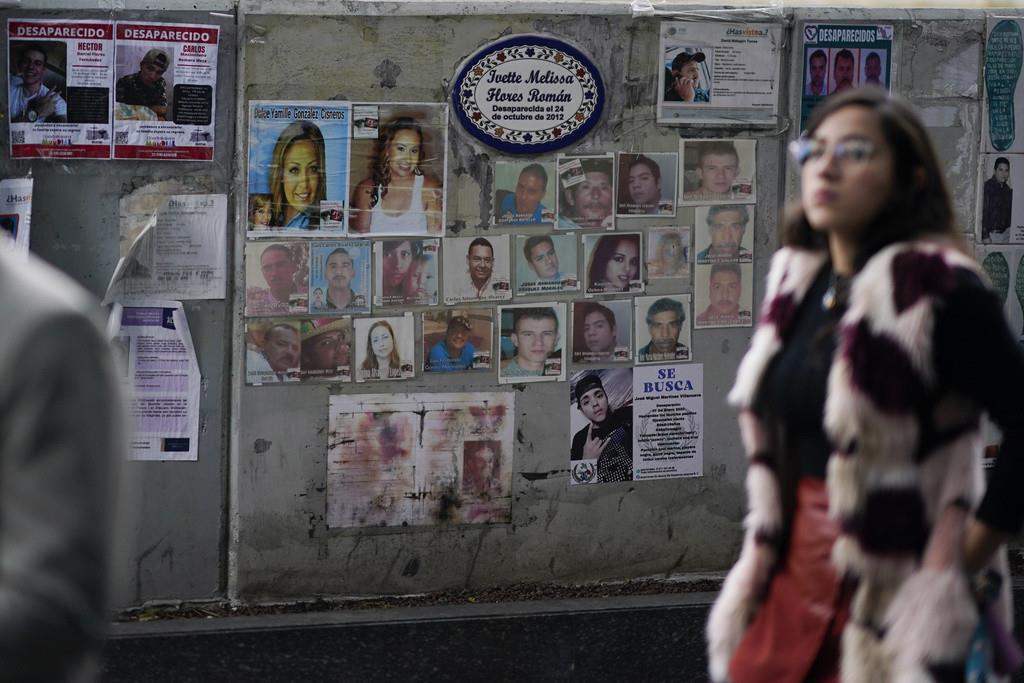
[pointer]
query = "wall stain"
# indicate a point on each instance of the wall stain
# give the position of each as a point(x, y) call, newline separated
point(412, 567)
point(387, 72)
point(261, 446)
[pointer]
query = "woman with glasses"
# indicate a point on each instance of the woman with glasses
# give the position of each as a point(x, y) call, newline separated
point(861, 421)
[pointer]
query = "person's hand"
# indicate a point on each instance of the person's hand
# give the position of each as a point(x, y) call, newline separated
point(687, 88)
point(44, 105)
point(593, 447)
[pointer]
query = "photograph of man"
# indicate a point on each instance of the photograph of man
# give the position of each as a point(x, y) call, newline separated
point(586, 194)
point(602, 331)
point(726, 233)
point(281, 266)
point(664, 320)
point(146, 87)
point(817, 73)
point(342, 269)
point(668, 253)
point(997, 204)
point(647, 184)
point(325, 348)
point(872, 71)
point(455, 352)
point(531, 343)
point(716, 171)
point(607, 438)
point(844, 75)
point(482, 274)
point(272, 352)
point(520, 200)
point(539, 264)
point(29, 98)
point(684, 81)
point(457, 340)
point(723, 296)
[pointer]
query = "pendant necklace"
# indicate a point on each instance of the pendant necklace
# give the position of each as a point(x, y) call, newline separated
point(837, 289)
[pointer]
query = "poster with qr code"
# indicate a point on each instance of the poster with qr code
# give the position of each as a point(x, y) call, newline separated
point(58, 76)
point(165, 92)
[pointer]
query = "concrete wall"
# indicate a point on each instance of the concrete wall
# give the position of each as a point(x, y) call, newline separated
point(247, 519)
point(172, 533)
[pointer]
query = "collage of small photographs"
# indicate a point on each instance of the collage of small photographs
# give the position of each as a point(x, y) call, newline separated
point(347, 263)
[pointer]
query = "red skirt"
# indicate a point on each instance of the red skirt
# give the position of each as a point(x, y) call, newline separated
point(796, 632)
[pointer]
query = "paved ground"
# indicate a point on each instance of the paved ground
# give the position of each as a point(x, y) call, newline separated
point(641, 638)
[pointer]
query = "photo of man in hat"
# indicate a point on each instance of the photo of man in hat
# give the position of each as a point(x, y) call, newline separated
point(455, 352)
point(683, 82)
point(325, 348)
point(146, 87)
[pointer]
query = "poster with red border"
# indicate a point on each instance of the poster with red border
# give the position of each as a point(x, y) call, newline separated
point(58, 76)
point(165, 91)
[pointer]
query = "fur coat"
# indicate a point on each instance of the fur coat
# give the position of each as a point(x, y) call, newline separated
point(904, 471)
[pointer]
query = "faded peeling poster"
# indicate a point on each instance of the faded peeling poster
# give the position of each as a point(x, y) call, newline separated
point(419, 459)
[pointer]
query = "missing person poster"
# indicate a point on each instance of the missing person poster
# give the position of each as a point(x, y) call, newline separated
point(1001, 211)
point(668, 421)
point(165, 103)
point(601, 424)
point(841, 56)
point(458, 340)
point(385, 348)
point(1003, 121)
point(158, 363)
point(720, 73)
point(398, 169)
point(407, 272)
point(283, 350)
point(668, 254)
point(647, 184)
point(298, 167)
point(420, 459)
point(15, 213)
point(59, 76)
point(546, 264)
point(339, 277)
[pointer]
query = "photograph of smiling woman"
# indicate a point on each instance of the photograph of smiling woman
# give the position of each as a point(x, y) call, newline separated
point(401, 191)
point(298, 167)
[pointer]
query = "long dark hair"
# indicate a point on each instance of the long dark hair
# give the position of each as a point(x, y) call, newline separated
point(919, 203)
point(604, 250)
point(381, 169)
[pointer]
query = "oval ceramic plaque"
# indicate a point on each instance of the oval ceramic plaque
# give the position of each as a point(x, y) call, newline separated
point(528, 94)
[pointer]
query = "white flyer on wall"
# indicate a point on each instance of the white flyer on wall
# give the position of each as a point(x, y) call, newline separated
point(59, 76)
point(179, 254)
point(158, 365)
point(668, 421)
point(15, 213)
point(165, 94)
point(724, 73)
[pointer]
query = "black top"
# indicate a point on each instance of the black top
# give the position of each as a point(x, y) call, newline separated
point(974, 354)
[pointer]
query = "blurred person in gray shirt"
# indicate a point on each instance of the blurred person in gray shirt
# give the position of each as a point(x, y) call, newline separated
point(61, 439)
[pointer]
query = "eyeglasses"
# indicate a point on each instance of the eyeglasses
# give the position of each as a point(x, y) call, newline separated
point(854, 151)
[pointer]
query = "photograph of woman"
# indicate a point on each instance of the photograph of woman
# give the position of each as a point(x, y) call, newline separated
point(401, 196)
point(607, 438)
point(613, 263)
point(298, 168)
point(384, 348)
point(861, 422)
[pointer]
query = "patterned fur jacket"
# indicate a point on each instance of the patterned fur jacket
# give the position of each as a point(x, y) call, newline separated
point(905, 465)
